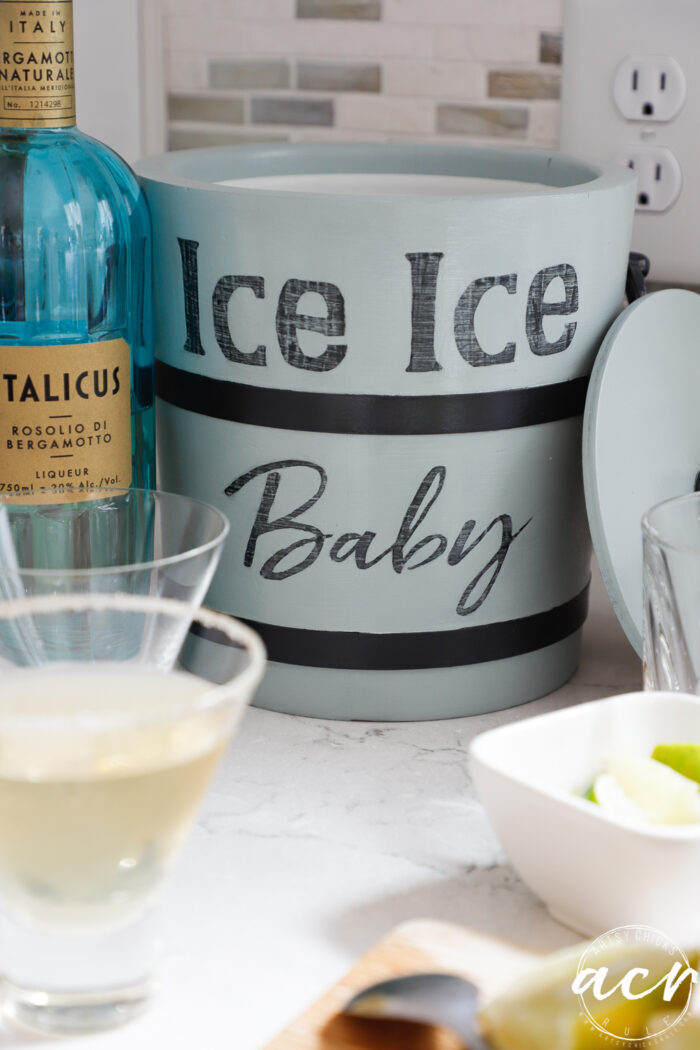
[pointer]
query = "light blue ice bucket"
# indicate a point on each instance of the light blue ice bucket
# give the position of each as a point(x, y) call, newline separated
point(382, 388)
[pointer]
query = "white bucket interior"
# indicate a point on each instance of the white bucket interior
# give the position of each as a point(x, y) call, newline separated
point(388, 184)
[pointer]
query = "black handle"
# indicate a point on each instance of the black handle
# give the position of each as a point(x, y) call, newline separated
point(637, 271)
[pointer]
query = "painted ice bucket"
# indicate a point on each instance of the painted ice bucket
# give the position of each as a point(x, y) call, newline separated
point(374, 360)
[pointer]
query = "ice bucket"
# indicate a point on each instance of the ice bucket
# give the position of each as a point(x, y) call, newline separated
point(374, 360)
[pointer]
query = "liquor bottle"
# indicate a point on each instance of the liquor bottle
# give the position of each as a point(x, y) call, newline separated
point(76, 345)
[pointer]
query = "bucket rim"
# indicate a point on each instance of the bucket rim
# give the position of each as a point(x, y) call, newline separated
point(204, 169)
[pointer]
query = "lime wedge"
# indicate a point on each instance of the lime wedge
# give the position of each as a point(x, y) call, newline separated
point(610, 797)
point(541, 1012)
point(684, 758)
point(663, 796)
point(685, 1037)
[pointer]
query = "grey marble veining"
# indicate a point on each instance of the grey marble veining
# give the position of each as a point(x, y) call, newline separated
point(205, 108)
point(347, 9)
point(239, 74)
point(276, 109)
point(339, 76)
point(321, 836)
point(497, 121)
point(511, 84)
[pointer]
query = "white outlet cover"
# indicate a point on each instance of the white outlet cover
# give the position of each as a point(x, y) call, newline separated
point(659, 176)
point(599, 36)
point(649, 87)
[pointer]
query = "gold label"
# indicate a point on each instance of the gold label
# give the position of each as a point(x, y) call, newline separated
point(65, 419)
point(36, 65)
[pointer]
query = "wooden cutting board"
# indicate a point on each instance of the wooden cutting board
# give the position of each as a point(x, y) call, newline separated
point(413, 947)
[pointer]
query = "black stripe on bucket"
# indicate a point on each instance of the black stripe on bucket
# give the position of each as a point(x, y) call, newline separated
point(416, 650)
point(370, 413)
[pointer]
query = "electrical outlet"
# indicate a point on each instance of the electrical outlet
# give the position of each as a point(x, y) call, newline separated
point(659, 178)
point(649, 87)
point(607, 114)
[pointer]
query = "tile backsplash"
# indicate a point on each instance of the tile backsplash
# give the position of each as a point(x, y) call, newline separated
point(249, 70)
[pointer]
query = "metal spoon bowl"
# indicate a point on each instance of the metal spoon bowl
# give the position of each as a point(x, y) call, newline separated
point(427, 998)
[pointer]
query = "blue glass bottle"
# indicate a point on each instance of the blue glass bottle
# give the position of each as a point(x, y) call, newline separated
point(75, 276)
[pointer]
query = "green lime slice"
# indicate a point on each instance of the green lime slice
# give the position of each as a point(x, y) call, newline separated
point(663, 795)
point(541, 1012)
point(683, 758)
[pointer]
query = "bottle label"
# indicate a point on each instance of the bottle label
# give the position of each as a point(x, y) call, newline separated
point(65, 419)
point(36, 65)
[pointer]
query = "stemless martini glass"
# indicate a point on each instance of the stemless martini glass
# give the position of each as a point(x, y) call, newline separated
point(134, 540)
point(106, 748)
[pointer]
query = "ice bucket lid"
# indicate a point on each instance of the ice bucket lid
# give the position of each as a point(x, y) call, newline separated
point(641, 435)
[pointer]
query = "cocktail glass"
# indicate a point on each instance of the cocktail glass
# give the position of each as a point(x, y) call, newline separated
point(133, 541)
point(671, 594)
point(105, 753)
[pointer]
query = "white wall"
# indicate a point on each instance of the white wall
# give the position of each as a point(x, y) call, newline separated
point(118, 55)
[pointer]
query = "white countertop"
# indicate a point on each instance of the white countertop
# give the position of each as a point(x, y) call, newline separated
point(315, 839)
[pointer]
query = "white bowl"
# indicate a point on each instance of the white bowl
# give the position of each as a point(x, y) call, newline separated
point(593, 871)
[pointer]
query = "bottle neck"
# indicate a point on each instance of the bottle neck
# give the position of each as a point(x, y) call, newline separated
point(36, 65)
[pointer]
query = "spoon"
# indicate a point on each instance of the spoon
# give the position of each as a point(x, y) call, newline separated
point(429, 998)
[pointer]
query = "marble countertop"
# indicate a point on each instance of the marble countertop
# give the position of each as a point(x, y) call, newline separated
point(318, 837)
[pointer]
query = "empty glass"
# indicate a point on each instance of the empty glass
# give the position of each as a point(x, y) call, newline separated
point(133, 540)
point(104, 757)
point(671, 538)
